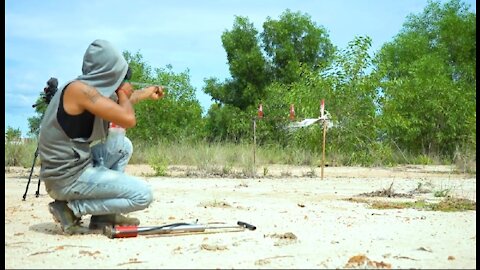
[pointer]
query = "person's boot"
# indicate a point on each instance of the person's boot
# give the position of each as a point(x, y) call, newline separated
point(100, 221)
point(67, 219)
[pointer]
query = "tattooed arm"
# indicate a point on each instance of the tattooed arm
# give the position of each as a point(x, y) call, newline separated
point(79, 97)
point(152, 92)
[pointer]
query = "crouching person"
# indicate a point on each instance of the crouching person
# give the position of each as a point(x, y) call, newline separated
point(80, 173)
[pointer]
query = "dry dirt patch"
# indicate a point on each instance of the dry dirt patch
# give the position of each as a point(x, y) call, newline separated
point(302, 222)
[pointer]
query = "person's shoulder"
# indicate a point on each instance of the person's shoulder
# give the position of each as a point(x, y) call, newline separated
point(77, 83)
point(79, 86)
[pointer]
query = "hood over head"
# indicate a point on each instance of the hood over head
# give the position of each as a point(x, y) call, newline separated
point(103, 67)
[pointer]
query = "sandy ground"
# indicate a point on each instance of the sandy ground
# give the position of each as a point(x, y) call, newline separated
point(302, 222)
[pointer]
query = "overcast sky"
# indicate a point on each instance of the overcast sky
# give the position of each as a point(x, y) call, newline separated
point(48, 38)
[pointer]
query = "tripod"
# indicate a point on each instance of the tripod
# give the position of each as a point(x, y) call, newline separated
point(33, 165)
point(30, 178)
point(47, 95)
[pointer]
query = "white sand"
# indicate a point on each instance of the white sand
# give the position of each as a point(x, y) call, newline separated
point(301, 222)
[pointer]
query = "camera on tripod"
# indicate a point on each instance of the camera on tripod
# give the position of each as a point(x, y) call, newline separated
point(48, 92)
point(47, 95)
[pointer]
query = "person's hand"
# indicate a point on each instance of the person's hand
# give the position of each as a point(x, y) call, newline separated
point(155, 92)
point(126, 89)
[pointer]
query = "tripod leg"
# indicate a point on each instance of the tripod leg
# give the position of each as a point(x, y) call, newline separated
point(38, 189)
point(30, 177)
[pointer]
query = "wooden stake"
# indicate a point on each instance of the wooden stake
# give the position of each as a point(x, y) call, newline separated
point(323, 147)
point(254, 146)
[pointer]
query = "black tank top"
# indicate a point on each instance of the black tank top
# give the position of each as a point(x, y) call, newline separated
point(75, 126)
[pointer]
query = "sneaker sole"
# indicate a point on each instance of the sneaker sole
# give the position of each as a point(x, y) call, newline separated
point(53, 212)
point(78, 230)
point(98, 226)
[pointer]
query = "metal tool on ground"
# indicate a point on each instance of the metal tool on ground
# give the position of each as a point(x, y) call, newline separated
point(174, 228)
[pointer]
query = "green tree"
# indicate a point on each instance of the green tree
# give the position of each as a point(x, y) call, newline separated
point(247, 66)
point(16, 152)
point(353, 101)
point(178, 116)
point(292, 41)
point(295, 47)
point(13, 134)
point(34, 121)
point(228, 123)
point(428, 80)
point(349, 91)
point(141, 70)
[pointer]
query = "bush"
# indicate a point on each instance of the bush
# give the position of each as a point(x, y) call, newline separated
point(20, 153)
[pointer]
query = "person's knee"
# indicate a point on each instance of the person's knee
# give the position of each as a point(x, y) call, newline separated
point(144, 198)
point(128, 146)
point(148, 197)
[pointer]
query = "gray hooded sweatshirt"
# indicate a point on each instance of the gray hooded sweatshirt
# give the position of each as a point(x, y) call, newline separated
point(62, 158)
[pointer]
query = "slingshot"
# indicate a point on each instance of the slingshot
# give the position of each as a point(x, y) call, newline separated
point(174, 228)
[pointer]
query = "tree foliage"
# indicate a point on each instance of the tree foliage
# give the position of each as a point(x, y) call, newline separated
point(428, 80)
point(228, 123)
point(292, 47)
point(176, 117)
point(352, 99)
point(293, 41)
point(12, 134)
point(416, 94)
point(247, 66)
point(35, 121)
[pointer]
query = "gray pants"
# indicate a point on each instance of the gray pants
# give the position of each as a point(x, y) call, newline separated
point(104, 188)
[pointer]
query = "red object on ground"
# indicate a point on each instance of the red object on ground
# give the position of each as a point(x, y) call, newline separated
point(125, 231)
